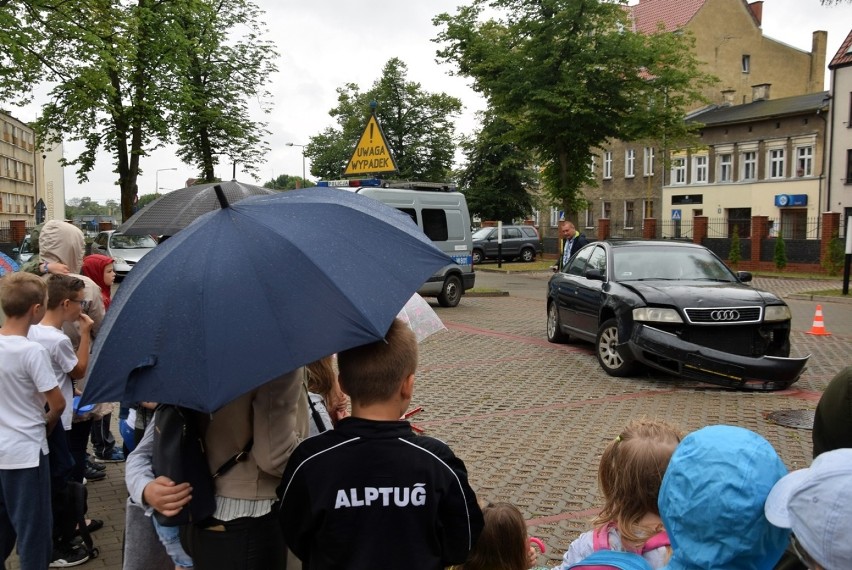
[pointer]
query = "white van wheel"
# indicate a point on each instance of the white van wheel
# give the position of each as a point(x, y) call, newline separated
point(451, 293)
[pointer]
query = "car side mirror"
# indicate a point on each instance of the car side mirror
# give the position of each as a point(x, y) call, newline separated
point(595, 274)
point(16, 250)
point(744, 276)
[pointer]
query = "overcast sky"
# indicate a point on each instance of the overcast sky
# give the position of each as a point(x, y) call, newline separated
point(326, 43)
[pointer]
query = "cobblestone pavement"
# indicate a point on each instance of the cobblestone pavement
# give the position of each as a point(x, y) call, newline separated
point(531, 418)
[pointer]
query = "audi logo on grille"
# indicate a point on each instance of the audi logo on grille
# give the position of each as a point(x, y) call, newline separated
point(727, 315)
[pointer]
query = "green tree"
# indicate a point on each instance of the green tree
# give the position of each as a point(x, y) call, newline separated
point(121, 70)
point(146, 199)
point(498, 174)
point(84, 206)
point(417, 125)
point(219, 72)
point(780, 254)
point(570, 76)
point(735, 255)
point(287, 182)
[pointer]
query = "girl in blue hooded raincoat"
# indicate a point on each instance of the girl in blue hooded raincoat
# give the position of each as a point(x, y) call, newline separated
point(712, 497)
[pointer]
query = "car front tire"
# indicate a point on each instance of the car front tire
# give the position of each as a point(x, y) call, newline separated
point(554, 331)
point(614, 359)
point(451, 293)
point(527, 254)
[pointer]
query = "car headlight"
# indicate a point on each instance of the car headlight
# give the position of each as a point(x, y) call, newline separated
point(117, 259)
point(656, 315)
point(777, 313)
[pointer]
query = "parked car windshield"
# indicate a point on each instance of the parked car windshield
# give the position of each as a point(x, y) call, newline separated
point(668, 263)
point(121, 241)
point(482, 233)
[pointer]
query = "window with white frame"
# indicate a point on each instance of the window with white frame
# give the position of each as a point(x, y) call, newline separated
point(726, 167)
point(630, 163)
point(749, 165)
point(554, 217)
point(699, 169)
point(629, 214)
point(679, 170)
point(607, 165)
point(592, 165)
point(775, 163)
point(606, 210)
point(804, 161)
point(648, 161)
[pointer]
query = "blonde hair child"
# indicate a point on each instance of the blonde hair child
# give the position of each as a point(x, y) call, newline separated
point(629, 477)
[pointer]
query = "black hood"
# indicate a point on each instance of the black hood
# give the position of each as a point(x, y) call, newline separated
point(700, 294)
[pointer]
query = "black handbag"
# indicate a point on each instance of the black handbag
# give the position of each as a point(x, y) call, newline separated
point(179, 454)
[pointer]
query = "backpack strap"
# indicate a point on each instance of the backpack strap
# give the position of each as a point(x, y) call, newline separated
point(225, 467)
point(600, 540)
point(657, 541)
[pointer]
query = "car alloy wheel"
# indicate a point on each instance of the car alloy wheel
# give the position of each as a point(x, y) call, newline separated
point(527, 254)
point(613, 359)
point(477, 256)
point(554, 332)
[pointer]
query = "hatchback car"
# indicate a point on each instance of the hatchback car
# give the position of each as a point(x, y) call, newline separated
point(675, 307)
point(518, 241)
point(124, 249)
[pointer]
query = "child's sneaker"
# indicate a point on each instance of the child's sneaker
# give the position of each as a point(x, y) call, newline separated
point(68, 557)
point(116, 456)
point(95, 465)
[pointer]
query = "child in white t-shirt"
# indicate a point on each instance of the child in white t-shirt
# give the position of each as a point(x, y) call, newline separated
point(65, 304)
point(28, 383)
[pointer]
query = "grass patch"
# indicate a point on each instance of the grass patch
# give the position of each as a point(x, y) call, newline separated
point(483, 290)
point(826, 293)
point(793, 275)
point(518, 266)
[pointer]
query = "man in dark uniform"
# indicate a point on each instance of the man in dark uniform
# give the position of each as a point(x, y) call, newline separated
point(572, 242)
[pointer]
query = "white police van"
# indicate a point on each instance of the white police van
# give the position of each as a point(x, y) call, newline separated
point(441, 212)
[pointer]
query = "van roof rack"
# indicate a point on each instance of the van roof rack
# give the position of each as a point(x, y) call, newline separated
point(395, 184)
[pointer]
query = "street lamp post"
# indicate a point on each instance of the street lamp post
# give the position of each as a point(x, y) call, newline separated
point(303, 158)
point(157, 178)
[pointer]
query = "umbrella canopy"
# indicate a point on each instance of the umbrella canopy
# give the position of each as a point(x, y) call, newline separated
point(254, 290)
point(419, 315)
point(7, 264)
point(172, 212)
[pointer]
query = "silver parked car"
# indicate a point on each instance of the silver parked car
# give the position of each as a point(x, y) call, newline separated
point(125, 250)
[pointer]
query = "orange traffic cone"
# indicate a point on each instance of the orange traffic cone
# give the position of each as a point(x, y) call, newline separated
point(818, 328)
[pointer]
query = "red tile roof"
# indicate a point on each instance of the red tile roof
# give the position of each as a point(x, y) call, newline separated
point(844, 54)
point(673, 14)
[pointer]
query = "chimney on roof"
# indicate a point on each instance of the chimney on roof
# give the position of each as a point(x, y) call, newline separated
point(760, 92)
point(757, 11)
point(816, 79)
point(728, 97)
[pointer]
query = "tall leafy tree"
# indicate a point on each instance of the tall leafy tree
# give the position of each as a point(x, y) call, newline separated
point(498, 174)
point(121, 74)
point(570, 76)
point(287, 182)
point(224, 64)
point(418, 126)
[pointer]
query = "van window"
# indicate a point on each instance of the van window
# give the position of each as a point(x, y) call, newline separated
point(411, 212)
point(435, 224)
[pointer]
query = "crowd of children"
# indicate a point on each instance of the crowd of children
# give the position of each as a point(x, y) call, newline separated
point(365, 491)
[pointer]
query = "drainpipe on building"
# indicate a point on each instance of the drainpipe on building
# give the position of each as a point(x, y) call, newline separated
point(825, 150)
point(830, 146)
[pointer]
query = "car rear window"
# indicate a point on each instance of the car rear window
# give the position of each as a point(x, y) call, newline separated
point(530, 231)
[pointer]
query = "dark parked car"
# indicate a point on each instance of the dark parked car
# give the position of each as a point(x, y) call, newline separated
point(518, 241)
point(675, 307)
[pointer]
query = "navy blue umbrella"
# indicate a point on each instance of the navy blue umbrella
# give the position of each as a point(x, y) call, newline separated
point(254, 290)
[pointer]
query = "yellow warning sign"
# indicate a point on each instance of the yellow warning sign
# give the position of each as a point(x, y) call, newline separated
point(372, 154)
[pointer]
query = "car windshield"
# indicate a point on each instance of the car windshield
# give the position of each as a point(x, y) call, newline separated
point(668, 263)
point(25, 246)
point(121, 241)
point(482, 233)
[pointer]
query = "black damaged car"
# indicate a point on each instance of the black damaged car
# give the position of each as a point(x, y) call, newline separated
point(675, 307)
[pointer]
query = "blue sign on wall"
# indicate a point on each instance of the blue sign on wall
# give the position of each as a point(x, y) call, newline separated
point(676, 215)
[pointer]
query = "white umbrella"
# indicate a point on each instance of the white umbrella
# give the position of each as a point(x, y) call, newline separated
point(421, 317)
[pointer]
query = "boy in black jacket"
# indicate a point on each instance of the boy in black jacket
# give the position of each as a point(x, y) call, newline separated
point(370, 493)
